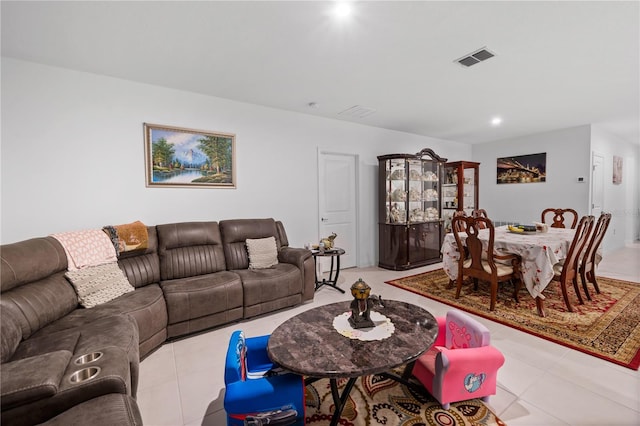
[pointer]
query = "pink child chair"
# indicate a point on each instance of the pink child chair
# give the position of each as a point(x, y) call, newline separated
point(461, 364)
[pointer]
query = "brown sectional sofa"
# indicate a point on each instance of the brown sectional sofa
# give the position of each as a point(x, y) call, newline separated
point(193, 276)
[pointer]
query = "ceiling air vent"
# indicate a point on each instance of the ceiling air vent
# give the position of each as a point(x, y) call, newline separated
point(357, 111)
point(475, 57)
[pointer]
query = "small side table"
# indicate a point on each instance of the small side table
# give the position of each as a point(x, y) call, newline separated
point(334, 253)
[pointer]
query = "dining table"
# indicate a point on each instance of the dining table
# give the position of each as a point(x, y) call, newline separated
point(539, 252)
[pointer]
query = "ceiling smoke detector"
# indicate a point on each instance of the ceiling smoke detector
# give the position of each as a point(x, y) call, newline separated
point(357, 111)
point(473, 58)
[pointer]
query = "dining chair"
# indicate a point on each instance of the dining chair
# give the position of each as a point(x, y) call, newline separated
point(460, 225)
point(482, 262)
point(480, 213)
point(587, 265)
point(559, 216)
point(567, 271)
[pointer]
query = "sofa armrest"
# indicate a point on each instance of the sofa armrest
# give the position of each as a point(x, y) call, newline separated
point(294, 256)
point(31, 379)
point(302, 259)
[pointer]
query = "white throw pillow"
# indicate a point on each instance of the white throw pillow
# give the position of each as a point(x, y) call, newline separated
point(263, 252)
point(99, 284)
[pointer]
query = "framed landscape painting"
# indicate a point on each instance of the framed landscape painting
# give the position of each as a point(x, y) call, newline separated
point(178, 157)
point(522, 168)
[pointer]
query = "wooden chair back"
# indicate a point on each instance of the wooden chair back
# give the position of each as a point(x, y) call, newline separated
point(480, 213)
point(588, 261)
point(559, 216)
point(461, 224)
point(569, 273)
point(478, 261)
point(474, 248)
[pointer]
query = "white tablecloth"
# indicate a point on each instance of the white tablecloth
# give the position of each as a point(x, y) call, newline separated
point(539, 252)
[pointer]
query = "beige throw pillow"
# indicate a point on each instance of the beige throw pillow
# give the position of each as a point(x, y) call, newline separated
point(99, 284)
point(263, 252)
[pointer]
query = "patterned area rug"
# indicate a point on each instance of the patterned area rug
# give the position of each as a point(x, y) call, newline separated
point(607, 327)
point(375, 400)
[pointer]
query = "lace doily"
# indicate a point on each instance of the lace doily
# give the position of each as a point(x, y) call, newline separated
point(383, 327)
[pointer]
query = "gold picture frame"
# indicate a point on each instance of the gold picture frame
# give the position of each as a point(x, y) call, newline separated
point(177, 157)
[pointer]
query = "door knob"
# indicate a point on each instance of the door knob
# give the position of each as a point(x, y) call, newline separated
point(324, 219)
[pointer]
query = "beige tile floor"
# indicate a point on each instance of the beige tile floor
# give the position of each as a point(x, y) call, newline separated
point(541, 383)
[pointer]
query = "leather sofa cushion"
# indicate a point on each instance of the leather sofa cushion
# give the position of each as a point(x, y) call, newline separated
point(189, 249)
point(30, 260)
point(264, 285)
point(146, 305)
point(199, 296)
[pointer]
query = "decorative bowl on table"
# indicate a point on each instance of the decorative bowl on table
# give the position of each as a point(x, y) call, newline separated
point(522, 229)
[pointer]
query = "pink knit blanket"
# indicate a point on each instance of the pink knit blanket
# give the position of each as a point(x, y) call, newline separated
point(86, 248)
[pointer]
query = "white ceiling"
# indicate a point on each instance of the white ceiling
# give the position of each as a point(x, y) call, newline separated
point(558, 64)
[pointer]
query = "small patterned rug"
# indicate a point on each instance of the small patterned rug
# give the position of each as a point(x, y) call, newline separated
point(607, 327)
point(375, 400)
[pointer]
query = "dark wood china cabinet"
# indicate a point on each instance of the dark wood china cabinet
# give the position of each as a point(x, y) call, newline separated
point(410, 210)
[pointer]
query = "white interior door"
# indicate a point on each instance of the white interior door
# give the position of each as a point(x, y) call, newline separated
point(338, 200)
point(597, 185)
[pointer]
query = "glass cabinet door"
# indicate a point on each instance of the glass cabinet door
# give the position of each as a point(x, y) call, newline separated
point(396, 211)
point(459, 189)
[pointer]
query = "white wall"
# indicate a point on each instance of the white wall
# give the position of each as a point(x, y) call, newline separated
point(73, 157)
point(622, 200)
point(568, 157)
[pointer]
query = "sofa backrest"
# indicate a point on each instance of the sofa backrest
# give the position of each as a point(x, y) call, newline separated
point(234, 236)
point(142, 267)
point(11, 334)
point(34, 288)
point(282, 235)
point(189, 249)
point(30, 260)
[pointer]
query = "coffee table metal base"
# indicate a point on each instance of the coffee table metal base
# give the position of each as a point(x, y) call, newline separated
point(339, 400)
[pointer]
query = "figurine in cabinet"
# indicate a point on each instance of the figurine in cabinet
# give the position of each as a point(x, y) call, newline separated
point(394, 214)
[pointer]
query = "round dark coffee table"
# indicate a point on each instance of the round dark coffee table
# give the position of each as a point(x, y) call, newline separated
point(309, 345)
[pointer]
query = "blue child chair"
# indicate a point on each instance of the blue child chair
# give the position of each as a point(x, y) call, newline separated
point(256, 391)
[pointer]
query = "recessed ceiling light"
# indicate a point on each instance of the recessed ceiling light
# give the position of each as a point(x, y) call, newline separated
point(342, 10)
point(496, 121)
